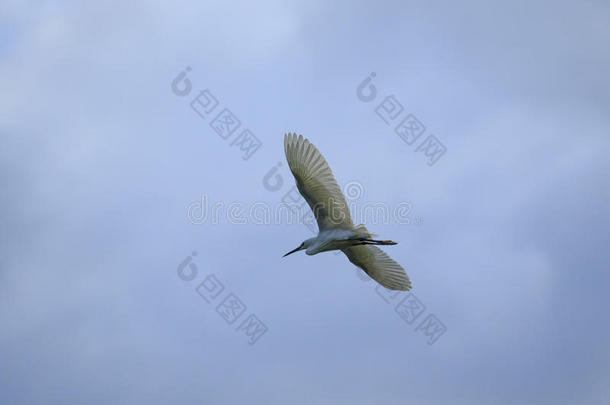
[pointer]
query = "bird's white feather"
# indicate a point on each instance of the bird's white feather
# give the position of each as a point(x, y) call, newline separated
point(316, 183)
point(379, 266)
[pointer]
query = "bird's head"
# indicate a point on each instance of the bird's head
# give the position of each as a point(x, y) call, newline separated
point(307, 243)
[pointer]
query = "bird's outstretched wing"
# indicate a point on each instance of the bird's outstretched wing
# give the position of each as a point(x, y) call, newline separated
point(316, 183)
point(379, 266)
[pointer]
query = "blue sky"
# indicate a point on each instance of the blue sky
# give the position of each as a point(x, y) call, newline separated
point(101, 160)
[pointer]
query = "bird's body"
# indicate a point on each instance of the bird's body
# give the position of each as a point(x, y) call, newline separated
point(316, 183)
point(331, 239)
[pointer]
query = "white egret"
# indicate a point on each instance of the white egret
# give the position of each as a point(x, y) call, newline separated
point(316, 183)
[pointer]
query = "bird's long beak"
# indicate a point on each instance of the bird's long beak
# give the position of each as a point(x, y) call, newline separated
point(292, 251)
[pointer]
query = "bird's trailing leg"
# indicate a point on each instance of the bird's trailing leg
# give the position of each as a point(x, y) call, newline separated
point(365, 241)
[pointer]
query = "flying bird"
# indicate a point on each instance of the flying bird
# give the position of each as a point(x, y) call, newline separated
point(318, 186)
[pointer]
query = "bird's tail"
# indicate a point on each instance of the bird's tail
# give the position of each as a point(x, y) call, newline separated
point(366, 238)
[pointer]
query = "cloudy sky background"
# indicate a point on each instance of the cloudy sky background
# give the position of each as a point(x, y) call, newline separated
point(100, 160)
